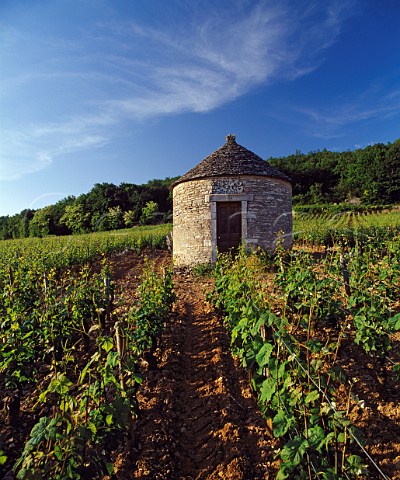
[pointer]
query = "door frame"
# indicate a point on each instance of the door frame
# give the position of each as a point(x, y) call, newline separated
point(213, 199)
point(225, 224)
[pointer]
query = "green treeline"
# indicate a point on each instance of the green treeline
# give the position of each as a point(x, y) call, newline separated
point(365, 177)
point(369, 176)
point(105, 207)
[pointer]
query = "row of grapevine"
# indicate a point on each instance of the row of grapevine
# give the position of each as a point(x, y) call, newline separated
point(63, 348)
point(61, 252)
point(348, 228)
point(277, 312)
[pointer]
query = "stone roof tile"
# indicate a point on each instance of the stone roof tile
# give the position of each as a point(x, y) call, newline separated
point(231, 160)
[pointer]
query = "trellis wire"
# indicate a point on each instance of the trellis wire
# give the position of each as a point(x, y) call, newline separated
point(333, 408)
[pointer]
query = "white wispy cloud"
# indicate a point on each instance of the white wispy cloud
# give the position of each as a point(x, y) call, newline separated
point(32, 148)
point(20, 155)
point(330, 122)
point(122, 71)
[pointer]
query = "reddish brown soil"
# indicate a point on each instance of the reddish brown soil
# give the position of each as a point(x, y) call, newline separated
point(373, 404)
point(198, 418)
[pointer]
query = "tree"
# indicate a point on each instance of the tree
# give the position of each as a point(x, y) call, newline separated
point(148, 213)
point(39, 226)
point(25, 218)
point(58, 210)
point(389, 178)
point(129, 218)
point(75, 218)
point(112, 220)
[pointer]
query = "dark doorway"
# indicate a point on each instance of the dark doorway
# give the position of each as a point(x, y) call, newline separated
point(229, 225)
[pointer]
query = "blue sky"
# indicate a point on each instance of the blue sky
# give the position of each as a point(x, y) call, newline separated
point(118, 91)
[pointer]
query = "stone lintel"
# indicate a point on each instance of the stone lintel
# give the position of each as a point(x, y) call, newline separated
point(229, 197)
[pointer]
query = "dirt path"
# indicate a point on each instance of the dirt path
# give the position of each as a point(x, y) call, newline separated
point(198, 418)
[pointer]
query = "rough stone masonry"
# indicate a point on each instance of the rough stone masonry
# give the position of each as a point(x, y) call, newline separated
point(230, 174)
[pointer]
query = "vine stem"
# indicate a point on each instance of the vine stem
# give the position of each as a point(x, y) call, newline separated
point(334, 409)
point(121, 353)
point(306, 430)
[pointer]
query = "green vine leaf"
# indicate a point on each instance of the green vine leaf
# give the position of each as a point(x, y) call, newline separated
point(294, 451)
point(268, 388)
point(3, 458)
point(356, 465)
point(264, 354)
point(317, 438)
point(282, 422)
point(106, 343)
point(395, 322)
point(312, 396)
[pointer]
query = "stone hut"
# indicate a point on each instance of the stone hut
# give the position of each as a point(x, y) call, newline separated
point(233, 196)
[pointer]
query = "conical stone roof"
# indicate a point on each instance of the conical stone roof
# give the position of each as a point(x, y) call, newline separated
point(231, 160)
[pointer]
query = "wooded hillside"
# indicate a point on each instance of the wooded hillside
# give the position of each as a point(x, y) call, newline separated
point(105, 207)
point(364, 177)
point(370, 175)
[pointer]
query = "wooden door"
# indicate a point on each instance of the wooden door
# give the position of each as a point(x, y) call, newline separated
point(229, 225)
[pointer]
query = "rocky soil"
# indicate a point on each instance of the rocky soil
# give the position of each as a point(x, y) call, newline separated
point(198, 417)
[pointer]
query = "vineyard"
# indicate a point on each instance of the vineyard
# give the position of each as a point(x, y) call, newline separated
point(103, 377)
point(63, 350)
point(329, 229)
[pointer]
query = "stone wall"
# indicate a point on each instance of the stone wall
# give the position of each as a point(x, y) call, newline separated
point(270, 213)
point(266, 214)
point(191, 223)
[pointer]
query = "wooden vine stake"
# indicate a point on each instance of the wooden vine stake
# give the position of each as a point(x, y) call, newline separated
point(108, 300)
point(345, 273)
point(122, 349)
point(120, 340)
